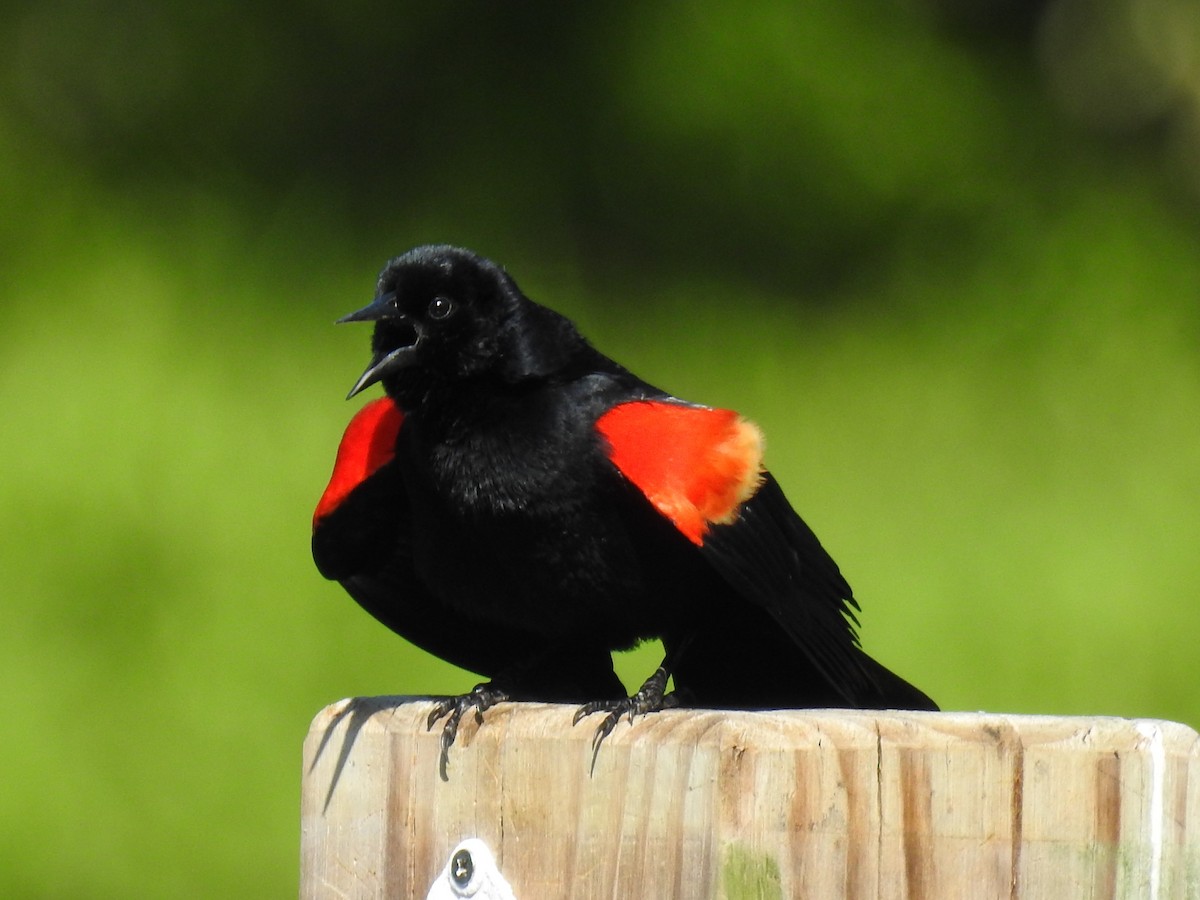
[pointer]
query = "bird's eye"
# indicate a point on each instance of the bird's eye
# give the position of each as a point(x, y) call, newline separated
point(440, 307)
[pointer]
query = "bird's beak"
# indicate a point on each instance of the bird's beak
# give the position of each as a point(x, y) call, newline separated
point(384, 362)
point(382, 307)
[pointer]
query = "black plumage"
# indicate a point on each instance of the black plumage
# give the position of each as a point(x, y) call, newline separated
point(539, 507)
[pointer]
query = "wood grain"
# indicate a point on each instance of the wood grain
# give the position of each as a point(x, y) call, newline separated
point(699, 804)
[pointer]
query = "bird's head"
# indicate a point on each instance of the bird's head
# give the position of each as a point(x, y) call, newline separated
point(444, 315)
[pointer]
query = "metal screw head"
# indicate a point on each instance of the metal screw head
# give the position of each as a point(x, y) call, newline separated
point(462, 867)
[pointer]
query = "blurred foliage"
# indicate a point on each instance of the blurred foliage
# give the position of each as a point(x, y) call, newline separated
point(945, 253)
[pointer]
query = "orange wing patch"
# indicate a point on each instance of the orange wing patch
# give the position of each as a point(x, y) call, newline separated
point(369, 442)
point(696, 465)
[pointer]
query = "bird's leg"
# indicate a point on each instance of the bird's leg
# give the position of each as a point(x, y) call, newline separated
point(650, 697)
point(482, 697)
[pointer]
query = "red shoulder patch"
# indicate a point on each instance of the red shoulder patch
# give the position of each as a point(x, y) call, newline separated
point(696, 465)
point(369, 442)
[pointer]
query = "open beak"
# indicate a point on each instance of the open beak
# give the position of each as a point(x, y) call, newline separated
point(384, 363)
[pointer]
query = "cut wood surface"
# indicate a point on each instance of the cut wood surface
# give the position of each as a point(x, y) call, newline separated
point(813, 803)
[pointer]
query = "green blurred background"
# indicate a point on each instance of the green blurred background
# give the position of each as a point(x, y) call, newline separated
point(944, 252)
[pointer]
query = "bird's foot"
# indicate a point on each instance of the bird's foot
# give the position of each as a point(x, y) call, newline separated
point(482, 697)
point(651, 697)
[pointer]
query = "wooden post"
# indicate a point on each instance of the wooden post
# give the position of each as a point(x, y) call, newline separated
point(813, 804)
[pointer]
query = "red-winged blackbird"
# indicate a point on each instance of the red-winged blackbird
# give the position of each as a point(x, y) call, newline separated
point(520, 505)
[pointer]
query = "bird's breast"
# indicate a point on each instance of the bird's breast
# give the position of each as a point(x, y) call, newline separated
point(519, 529)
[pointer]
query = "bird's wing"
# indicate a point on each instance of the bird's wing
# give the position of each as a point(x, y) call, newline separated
point(361, 539)
point(368, 443)
point(702, 469)
point(696, 465)
point(357, 522)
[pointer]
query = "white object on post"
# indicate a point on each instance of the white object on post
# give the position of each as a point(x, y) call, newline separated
point(471, 871)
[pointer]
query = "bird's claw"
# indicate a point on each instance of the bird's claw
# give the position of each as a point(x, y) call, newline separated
point(480, 698)
point(651, 697)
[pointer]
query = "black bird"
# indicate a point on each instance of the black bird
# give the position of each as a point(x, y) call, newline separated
point(520, 505)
